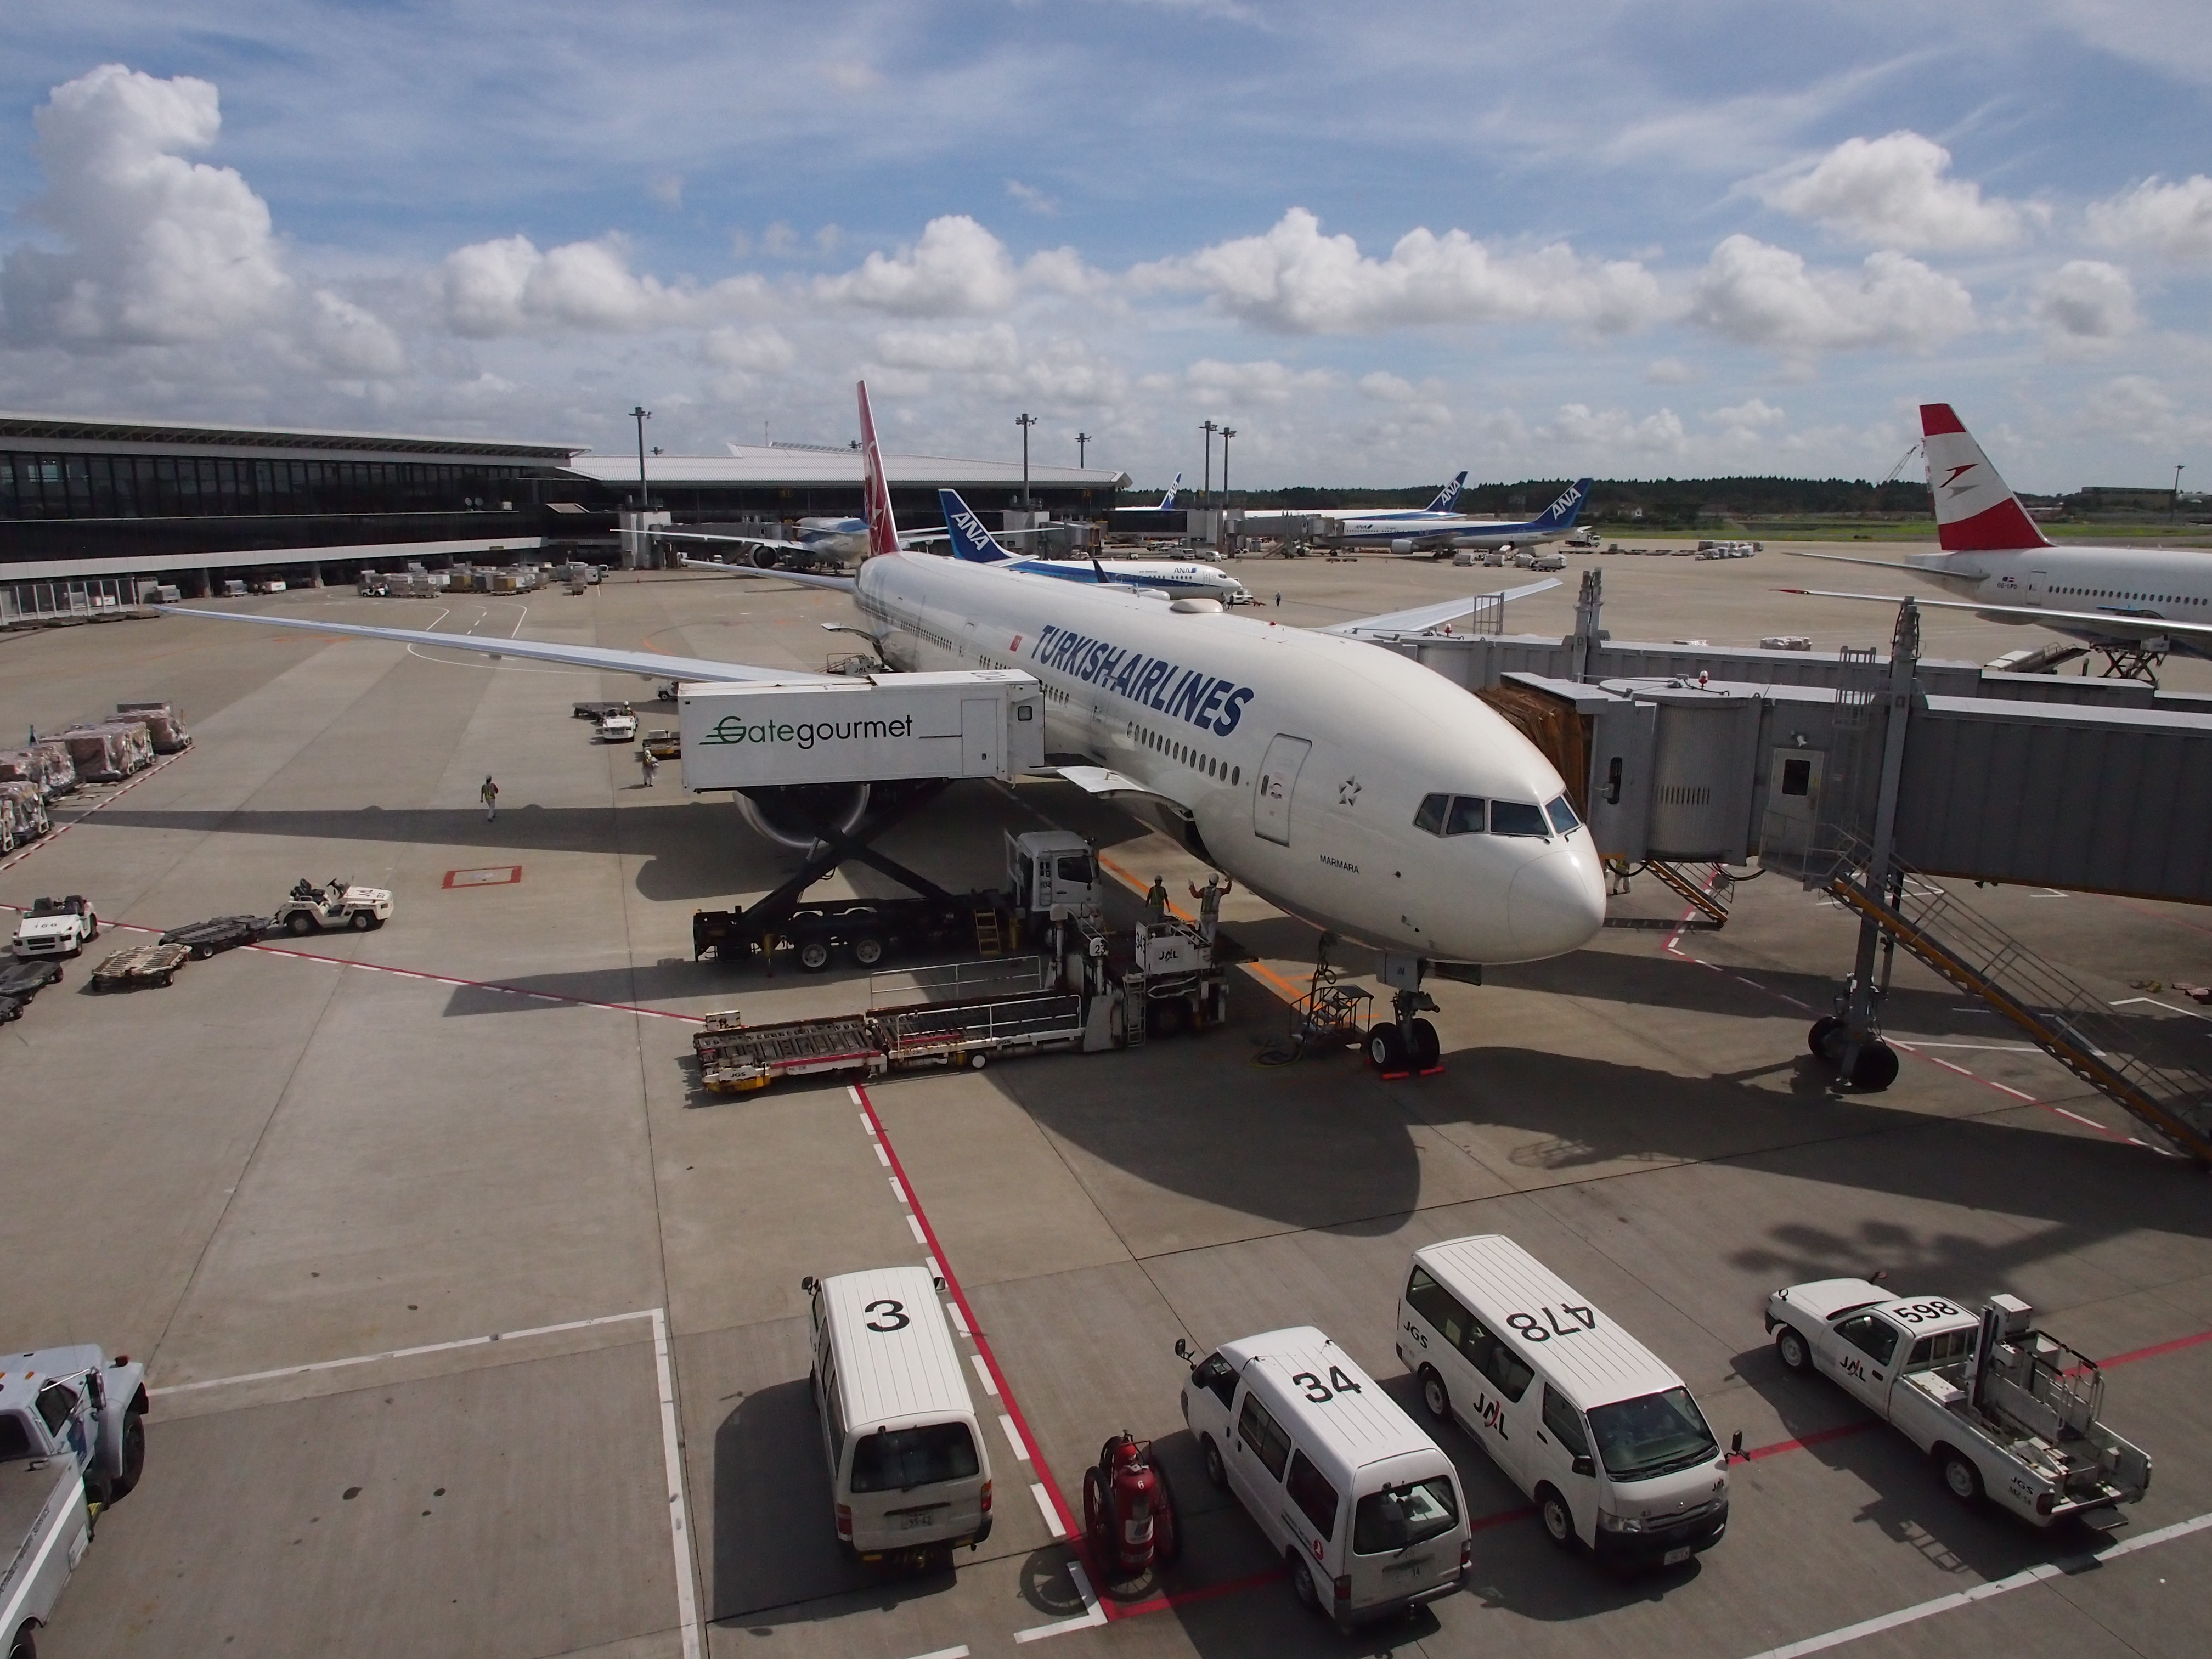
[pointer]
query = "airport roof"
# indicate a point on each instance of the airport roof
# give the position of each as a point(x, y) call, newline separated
point(70, 432)
point(758, 465)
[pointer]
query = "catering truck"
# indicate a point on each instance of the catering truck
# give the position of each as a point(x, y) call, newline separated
point(2007, 1414)
point(866, 728)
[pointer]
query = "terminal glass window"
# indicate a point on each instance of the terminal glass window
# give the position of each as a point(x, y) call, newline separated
point(1657, 1434)
point(1398, 1517)
point(1513, 817)
point(899, 1460)
point(1309, 1490)
point(1263, 1436)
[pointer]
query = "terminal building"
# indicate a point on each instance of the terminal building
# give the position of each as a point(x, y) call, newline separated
point(96, 506)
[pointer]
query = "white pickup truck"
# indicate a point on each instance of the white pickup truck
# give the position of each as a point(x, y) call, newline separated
point(55, 927)
point(71, 1441)
point(2006, 1413)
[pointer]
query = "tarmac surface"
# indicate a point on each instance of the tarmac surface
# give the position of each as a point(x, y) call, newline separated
point(474, 1325)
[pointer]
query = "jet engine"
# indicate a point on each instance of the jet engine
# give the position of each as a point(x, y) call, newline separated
point(1402, 545)
point(788, 814)
point(764, 558)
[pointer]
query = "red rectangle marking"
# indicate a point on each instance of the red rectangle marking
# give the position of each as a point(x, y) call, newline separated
point(497, 875)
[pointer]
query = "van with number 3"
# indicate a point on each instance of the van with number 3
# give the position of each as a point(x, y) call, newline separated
point(908, 1472)
point(1363, 1507)
point(1604, 1438)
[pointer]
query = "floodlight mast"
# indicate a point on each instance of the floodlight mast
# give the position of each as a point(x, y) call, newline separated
point(1025, 421)
point(1206, 490)
point(641, 414)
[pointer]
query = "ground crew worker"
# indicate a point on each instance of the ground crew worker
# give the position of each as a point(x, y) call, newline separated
point(648, 765)
point(1209, 898)
point(489, 796)
point(1156, 901)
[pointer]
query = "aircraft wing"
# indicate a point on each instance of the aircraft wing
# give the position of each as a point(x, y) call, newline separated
point(804, 578)
point(1845, 558)
point(2118, 623)
point(1423, 618)
point(647, 664)
point(735, 541)
point(1103, 781)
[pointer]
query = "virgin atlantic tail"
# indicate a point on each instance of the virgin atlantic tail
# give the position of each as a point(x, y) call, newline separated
point(1975, 511)
point(883, 528)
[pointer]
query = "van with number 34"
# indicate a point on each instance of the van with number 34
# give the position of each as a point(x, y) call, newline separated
point(1604, 1438)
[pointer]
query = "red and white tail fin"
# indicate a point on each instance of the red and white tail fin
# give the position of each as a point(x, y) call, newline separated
point(1975, 511)
point(883, 529)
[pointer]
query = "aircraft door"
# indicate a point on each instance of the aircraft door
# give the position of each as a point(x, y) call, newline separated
point(979, 736)
point(1279, 780)
point(2039, 583)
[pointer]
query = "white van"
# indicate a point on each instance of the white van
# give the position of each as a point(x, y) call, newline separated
point(907, 1468)
point(1604, 1437)
point(1365, 1507)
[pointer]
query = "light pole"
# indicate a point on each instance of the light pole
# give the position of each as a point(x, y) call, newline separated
point(1082, 441)
point(2177, 489)
point(1206, 490)
point(641, 414)
point(1025, 421)
point(1227, 432)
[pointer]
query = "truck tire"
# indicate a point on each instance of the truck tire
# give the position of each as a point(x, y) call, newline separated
point(1167, 1018)
point(1961, 1478)
point(360, 922)
point(1559, 1520)
point(1434, 1395)
point(300, 924)
point(1302, 1581)
point(813, 955)
point(26, 1645)
point(867, 949)
point(1790, 1343)
point(120, 1485)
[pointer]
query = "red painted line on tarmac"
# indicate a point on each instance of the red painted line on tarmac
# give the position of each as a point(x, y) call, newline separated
point(61, 829)
point(475, 984)
point(1173, 1599)
point(1073, 1527)
point(2156, 1349)
point(1820, 1437)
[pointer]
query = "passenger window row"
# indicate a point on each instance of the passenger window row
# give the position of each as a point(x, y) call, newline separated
point(1470, 814)
point(1506, 1371)
point(1184, 754)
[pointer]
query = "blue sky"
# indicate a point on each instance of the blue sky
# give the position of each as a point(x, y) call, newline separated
point(1384, 243)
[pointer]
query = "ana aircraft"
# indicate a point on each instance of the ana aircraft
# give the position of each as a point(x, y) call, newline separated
point(972, 542)
point(1437, 531)
point(1166, 504)
point(2133, 604)
point(1346, 783)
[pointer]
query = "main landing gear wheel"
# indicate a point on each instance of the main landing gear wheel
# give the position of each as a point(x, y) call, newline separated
point(1823, 1032)
point(1426, 1048)
point(1876, 1067)
point(1386, 1049)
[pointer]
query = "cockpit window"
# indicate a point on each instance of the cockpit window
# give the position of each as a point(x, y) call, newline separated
point(1430, 817)
point(1562, 816)
point(1465, 816)
point(1513, 817)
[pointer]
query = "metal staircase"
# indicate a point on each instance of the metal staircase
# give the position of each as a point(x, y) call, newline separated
point(1709, 897)
point(2061, 1018)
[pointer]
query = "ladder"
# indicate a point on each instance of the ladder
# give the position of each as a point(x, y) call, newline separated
point(1136, 1010)
point(987, 942)
point(2061, 1018)
point(1709, 897)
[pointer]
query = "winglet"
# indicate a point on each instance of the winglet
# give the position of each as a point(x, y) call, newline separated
point(970, 540)
point(883, 528)
point(1976, 511)
point(1447, 497)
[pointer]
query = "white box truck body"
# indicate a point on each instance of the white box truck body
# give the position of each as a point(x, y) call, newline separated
point(987, 723)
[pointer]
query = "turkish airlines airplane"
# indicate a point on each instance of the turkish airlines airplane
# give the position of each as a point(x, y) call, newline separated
point(2134, 604)
point(1346, 784)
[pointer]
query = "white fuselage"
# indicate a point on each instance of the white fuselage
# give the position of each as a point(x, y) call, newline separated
point(1175, 577)
point(2138, 584)
point(1301, 757)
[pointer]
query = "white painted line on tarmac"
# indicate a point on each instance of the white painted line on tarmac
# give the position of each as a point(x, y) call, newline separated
point(936, 1269)
point(1014, 1438)
point(866, 1127)
point(1045, 1509)
point(898, 1192)
point(2064, 1567)
point(882, 1156)
point(853, 1095)
point(1092, 1616)
point(959, 1319)
point(403, 1354)
point(920, 1236)
point(960, 1652)
point(984, 1371)
point(679, 1515)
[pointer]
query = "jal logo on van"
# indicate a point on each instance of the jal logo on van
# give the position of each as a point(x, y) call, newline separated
point(1529, 1328)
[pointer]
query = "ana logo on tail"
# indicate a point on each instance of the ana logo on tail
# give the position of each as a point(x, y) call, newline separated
point(1447, 497)
point(1168, 499)
point(970, 540)
point(1563, 511)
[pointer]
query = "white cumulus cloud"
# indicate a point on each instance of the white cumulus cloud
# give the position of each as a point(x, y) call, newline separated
point(2171, 220)
point(957, 269)
point(1614, 429)
point(1264, 381)
point(1751, 414)
point(965, 351)
point(1295, 279)
point(755, 350)
point(1764, 296)
point(509, 285)
point(2087, 299)
point(1894, 190)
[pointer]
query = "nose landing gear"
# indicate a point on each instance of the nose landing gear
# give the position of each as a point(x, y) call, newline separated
point(1406, 1045)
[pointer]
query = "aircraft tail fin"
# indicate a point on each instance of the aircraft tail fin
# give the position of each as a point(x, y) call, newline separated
point(970, 540)
point(1447, 497)
point(1168, 499)
point(883, 528)
point(1562, 513)
point(1976, 511)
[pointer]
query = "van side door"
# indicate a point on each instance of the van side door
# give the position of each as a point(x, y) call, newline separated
point(1564, 1443)
point(1483, 1377)
point(1258, 1456)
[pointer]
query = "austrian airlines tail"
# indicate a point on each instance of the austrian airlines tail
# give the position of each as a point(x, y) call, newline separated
point(883, 528)
point(1975, 511)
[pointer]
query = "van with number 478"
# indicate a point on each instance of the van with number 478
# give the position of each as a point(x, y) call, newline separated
point(1604, 1438)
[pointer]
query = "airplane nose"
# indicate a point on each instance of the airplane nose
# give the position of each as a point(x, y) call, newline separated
point(1557, 903)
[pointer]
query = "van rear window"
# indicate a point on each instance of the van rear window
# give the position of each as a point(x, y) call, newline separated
point(899, 1460)
point(1399, 1517)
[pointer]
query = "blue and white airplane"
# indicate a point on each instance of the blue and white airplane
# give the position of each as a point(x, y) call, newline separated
point(1439, 533)
point(1177, 578)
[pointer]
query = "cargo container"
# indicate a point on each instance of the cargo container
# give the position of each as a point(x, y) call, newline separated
point(876, 728)
point(162, 725)
point(101, 754)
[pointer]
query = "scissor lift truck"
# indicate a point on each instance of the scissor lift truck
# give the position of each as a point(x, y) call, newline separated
point(2008, 1413)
